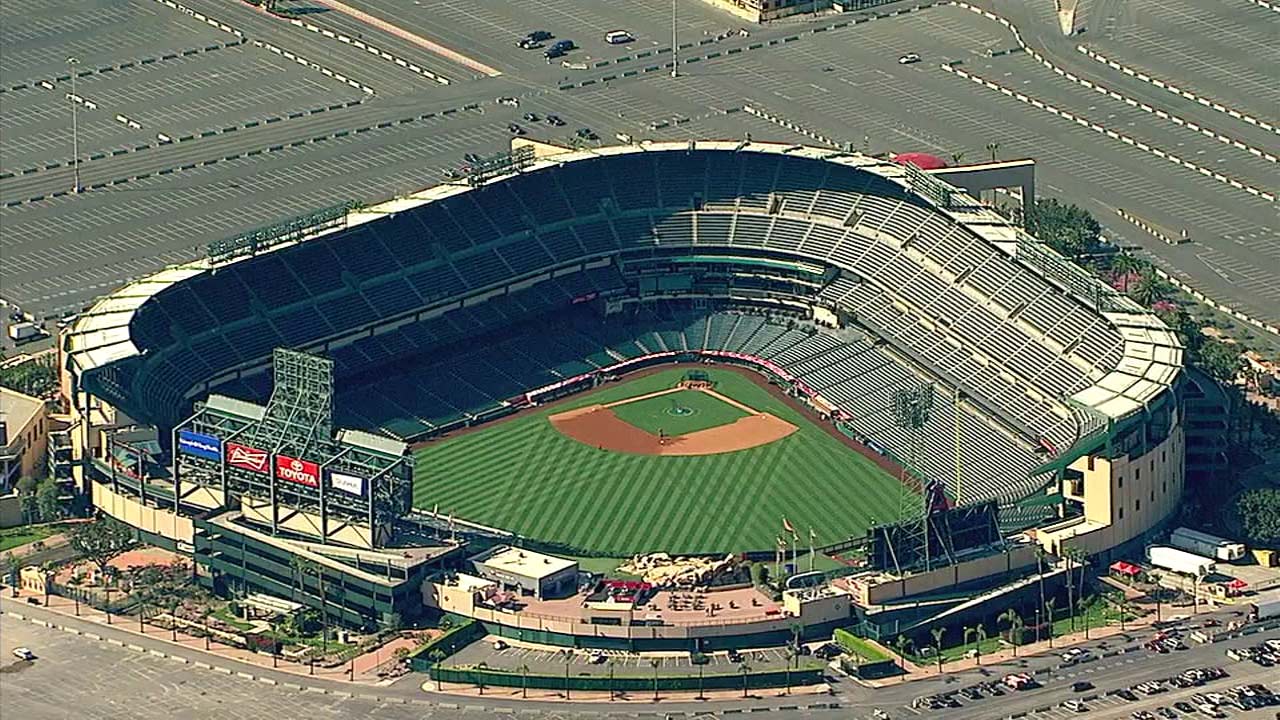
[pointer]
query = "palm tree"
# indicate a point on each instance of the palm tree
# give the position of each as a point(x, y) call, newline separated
point(1150, 288)
point(937, 634)
point(204, 618)
point(994, 149)
point(612, 662)
point(1048, 608)
point(791, 655)
point(1012, 617)
point(274, 622)
point(524, 682)
point(970, 631)
point(744, 668)
point(982, 637)
point(901, 644)
point(1123, 264)
point(957, 157)
point(435, 656)
point(654, 664)
point(1082, 606)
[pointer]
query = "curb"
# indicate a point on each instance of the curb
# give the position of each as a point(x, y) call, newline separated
point(1084, 122)
point(1164, 85)
point(372, 51)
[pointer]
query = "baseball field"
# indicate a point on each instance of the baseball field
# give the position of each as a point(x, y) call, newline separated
point(527, 475)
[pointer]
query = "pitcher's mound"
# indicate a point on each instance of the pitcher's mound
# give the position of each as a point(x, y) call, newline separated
point(598, 426)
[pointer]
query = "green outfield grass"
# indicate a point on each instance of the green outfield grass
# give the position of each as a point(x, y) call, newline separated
point(679, 413)
point(524, 476)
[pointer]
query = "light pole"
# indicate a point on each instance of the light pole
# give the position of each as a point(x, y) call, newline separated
point(675, 44)
point(75, 124)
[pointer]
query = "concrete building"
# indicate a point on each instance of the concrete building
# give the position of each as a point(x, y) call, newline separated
point(527, 572)
point(24, 434)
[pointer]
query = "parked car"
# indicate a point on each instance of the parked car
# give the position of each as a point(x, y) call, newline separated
point(534, 39)
point(908, 59)
point(500, 645)
point(515, 129)
point(1166, 713)
point(587, 134)
point(531, 117)
point(1081, 686)
point(554, 120)
point(559, 49)
point(1074, 706)
point(618, 37)
point(826, 651)
point(508, 101)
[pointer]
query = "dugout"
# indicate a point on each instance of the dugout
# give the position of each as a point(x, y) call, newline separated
point(527, 572)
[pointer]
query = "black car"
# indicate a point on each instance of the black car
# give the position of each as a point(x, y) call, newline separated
point(1165, 712)
point(734, 656)
point(1081, 686)
point(554, 120)
point(1127, 695)
point(587, 134)
point(515, 129)
point(534, 39)
point(1185, 707)
point(827, 651)
point(971, 693)
point(531, 117)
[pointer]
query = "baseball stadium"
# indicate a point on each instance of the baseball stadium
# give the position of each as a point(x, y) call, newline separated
point(655, 347)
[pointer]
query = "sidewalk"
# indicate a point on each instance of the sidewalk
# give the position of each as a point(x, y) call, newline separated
point(362, 670)
point(645, 697)
point(1132, 630)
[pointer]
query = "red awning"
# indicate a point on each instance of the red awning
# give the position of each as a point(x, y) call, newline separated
point(1125, 568)
point(1237, 584)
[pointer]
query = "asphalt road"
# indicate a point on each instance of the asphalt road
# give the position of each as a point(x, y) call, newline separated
point(97, 679)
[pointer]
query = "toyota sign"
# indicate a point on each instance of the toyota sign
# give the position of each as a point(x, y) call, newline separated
point(297, 471)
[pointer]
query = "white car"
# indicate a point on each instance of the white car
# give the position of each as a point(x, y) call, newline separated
point(499, 645)
point(24, 653)
point(618, 37)
point(508, 101)
point(908, 59)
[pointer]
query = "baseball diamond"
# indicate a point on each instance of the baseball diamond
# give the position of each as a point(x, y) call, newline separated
point(525, 475)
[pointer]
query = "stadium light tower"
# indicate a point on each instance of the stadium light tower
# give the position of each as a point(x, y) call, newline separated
point(911, 409)
point(75, 124)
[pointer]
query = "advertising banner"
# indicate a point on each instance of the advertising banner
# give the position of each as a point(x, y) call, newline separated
point(200, 445)
point(346, 483)
point(297, 471)
point(247, 458)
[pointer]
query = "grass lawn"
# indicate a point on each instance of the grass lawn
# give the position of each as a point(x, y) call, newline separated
point(524, 476)
point(225, 616)
point(864, 650)
point(11, 538)
point(679, 413)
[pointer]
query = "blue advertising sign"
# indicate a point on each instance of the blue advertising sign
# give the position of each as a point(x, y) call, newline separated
point(200, 445)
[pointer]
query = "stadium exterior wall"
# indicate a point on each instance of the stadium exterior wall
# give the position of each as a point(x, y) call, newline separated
point(1125, 498)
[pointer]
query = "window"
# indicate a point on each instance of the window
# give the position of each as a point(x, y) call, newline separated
point(1090, 462)
point(1121, 513)
point(1137, 473)
point(1137, 505)
point(1119, 481)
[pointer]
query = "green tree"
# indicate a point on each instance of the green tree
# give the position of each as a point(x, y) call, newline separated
point(36, 378)
point(1221, 360)
point(100, 540)
point(47, 501)
point(1069, 229)
point(27, 502)
point(1259, 513)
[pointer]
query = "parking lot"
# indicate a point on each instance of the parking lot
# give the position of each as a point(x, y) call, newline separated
point(552, 661)
point(271, 118)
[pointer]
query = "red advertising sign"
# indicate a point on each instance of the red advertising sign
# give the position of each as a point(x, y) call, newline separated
point(247, 458)
point(297, 471)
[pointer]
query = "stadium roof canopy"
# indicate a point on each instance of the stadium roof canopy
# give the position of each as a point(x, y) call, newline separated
point(1147, 363)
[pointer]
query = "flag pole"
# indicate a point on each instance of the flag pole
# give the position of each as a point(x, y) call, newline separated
point(811, 535)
